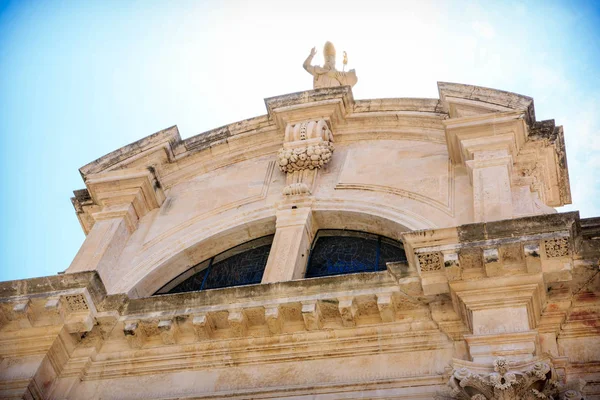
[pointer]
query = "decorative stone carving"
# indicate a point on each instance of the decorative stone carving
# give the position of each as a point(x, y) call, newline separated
point(533, 380)
point(297, 188)
point(75, 303)
point(558, 247)
point(328, 75)
point(430, 261)
point(307, 147)
point(305, 157)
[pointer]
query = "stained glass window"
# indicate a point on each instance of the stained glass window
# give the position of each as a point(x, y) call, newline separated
point(241, 265)
point(336, 252)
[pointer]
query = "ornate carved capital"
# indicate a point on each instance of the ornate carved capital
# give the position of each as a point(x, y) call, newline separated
point(506, 380)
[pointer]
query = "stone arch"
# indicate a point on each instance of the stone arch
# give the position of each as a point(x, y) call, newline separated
point(156, 269)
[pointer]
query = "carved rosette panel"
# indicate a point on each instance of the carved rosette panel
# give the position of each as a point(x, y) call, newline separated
point(307, 147)
point(558, 247)
point(76, 303)
point(510, 381)
point(430, 261)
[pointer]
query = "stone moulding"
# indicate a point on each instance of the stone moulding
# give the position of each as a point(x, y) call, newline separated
point(525, 381)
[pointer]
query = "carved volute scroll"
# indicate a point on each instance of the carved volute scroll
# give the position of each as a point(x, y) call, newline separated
point(523, 381)
point(307, 147)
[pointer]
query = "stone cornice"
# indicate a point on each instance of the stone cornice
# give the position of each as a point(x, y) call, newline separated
point(167, 139)
point(49, 285)
point(497, 131)
point(459, 99)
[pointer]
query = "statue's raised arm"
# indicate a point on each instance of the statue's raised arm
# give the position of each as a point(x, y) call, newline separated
point(328, 75)
point(307, 63)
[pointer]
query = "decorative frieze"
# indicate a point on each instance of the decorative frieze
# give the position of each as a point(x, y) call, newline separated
point(532, 380)
point(430, 261)
point(75, 302)
point(77, 314)
point(557, 247)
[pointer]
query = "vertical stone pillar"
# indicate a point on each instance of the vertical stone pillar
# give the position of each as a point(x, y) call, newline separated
point(307, 122)
point(490, 174)
point(294, 233)
point(490, 146)
point(123, 196)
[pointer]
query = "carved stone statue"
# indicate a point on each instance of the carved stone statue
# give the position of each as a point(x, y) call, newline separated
point(327, 75)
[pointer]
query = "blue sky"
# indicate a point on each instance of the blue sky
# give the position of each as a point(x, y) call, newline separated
point(79, 79)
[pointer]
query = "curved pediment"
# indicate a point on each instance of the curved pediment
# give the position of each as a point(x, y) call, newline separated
point(390, 165)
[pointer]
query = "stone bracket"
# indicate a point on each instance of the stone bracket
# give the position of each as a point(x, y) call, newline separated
point(274, 319)
point(311, 313)
point(348, 311)
point(204, 326)
point(387, 307)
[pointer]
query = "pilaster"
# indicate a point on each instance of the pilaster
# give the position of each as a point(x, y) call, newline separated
point(295, 230)
point(307, 127)
point(123, 197)
point(490, 173)
point(490, 145)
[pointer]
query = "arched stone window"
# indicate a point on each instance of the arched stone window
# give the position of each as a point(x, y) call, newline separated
point(336, 252)
point(240, 265)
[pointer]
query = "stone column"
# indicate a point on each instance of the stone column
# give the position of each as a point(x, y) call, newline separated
point(123, 197)
point(294, 234)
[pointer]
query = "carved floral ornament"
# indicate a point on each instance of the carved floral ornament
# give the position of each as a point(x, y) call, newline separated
point(430, 261)
point(510, 382)
point(557, 247)
point(307, 147)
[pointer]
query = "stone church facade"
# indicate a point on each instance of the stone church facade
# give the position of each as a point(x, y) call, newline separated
point(331, 249)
